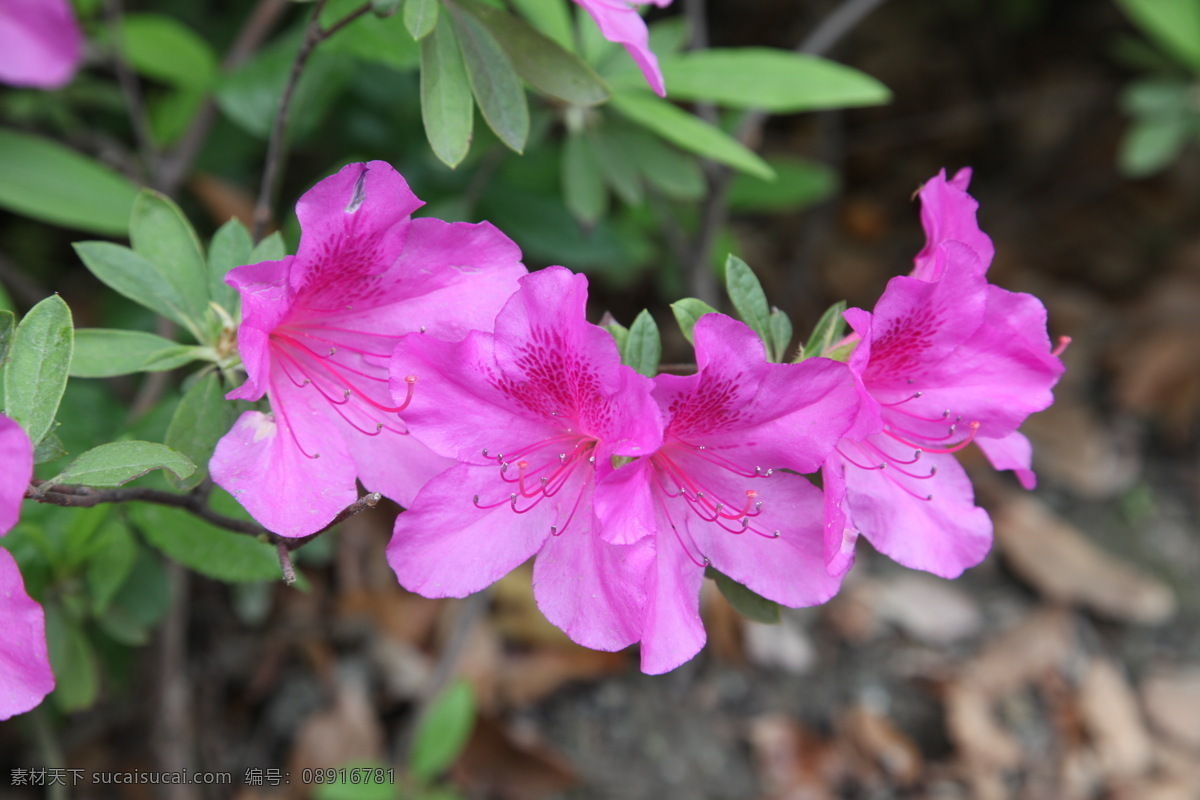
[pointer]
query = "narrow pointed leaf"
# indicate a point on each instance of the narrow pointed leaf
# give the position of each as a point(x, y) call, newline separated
point(129, 274)
point(447, 109)
point(8, 323)
point(39, 361)
point(619, 170)
point(643, 346)
point(691, 133)
point(780, 327)
point(231, 247)
point(829, 329)
point(748, 297)
point(207, 549)
point(687, 311)
point(583, 182)
point(202, 417)
point(442, 732)
point(271, 248)
point(116, 463)
point(494, 81)
point(550, 17)
point(103, 352)
point(161, 234)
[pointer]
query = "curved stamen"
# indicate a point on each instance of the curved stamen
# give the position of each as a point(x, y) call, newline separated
point(888, 456)
point(842, 453)
point(974, 426)
point(902, 402)
point(325, 363)
point(292, 431)
point(1063, 342)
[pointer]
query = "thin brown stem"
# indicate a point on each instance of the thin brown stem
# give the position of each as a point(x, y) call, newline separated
point(314, 34)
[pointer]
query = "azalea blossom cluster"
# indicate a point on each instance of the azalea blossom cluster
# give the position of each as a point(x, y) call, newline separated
point(421, 359)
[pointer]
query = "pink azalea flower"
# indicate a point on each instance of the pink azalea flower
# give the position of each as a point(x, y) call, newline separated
point(945, 359)
point(40, 43)
point(535, 415)
point(25, 676)
point(317, 335)
point(712, 494)
point(620, 22)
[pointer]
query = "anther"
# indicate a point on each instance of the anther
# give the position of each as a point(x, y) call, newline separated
point(485, 455)
point(775, 535)
point(1063, 341)
point(422, 329)
point(562, 458)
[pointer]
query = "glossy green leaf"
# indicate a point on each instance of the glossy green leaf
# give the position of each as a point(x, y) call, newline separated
point(773, 80)
point(38, 364)
point(746, 602)
point(830, 328)
point(1173, 24)
point(202, 417)
point(687, 311)
point(583, 182)
point(540, 60)
point(643, 346)
point(442, 732)
point(129, 274)
point(551, 17)
point(799, 183)
point(207, 549)
point(77, 678)
point(420, 17)
point(689, 132)
point(163, 48)
point(42, 179)
point(116, 463)
point(494, 81)
point(780, 326)
point(748, 297)
point(231, 247)
point(161, 234)
point(104, 352)
point(447, 109)
point(271, 248)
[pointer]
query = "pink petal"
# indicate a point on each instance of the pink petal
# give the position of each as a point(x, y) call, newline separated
point(266, 302)
point(948, 214)
point(396, 466)
point(672, 631)
point(624, 503)
point(1011, 452)
point(261, 465)
point(593, 590)
point(353, 225)
point(620, 22)
point(943, 535)
point(840, 537)
point(445, 546)
point(25, 676)
point(16, 454)
point(40, 43)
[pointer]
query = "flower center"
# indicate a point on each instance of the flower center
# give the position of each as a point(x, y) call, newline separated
point(542, 471)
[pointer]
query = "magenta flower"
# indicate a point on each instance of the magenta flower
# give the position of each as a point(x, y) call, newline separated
point(40, 43)
point(25, 676)
point(712, 493)
point(535, 414)
point(317, 335)
point(620, 22)
point(945, 359)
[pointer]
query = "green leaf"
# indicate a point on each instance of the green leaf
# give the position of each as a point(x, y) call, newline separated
point(748, 297)
point(643, 346)
point(773, 80)
point(1151, 143)
point(116, 463)
point(689, 132)
point(687, 311)
point(8, 323)
point(494, 81)
point(162, 48)
point(72, 659)
point(446, 105)
point(618, 331)
point(146, 594)
point(171, 114)
point(379, 39)
point(780, 327)
point(750, 605)
point(207, 549)
point(540, 60)
point(127, 273)
point(50, 448)
point(677, 175)
point(42, 179)
point(202, 417)
point(420, 17)
point(39, 361)
point(110, 559)
point(619, 171)
point(104, 352)
point(231, 247)
point(830, 328)
point(161, 234)
point(271, 248)
point(1173, 24)
point(583, 182)
point(443, 732)
point(799, 183)
point(121, 626)
point(550, 17)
